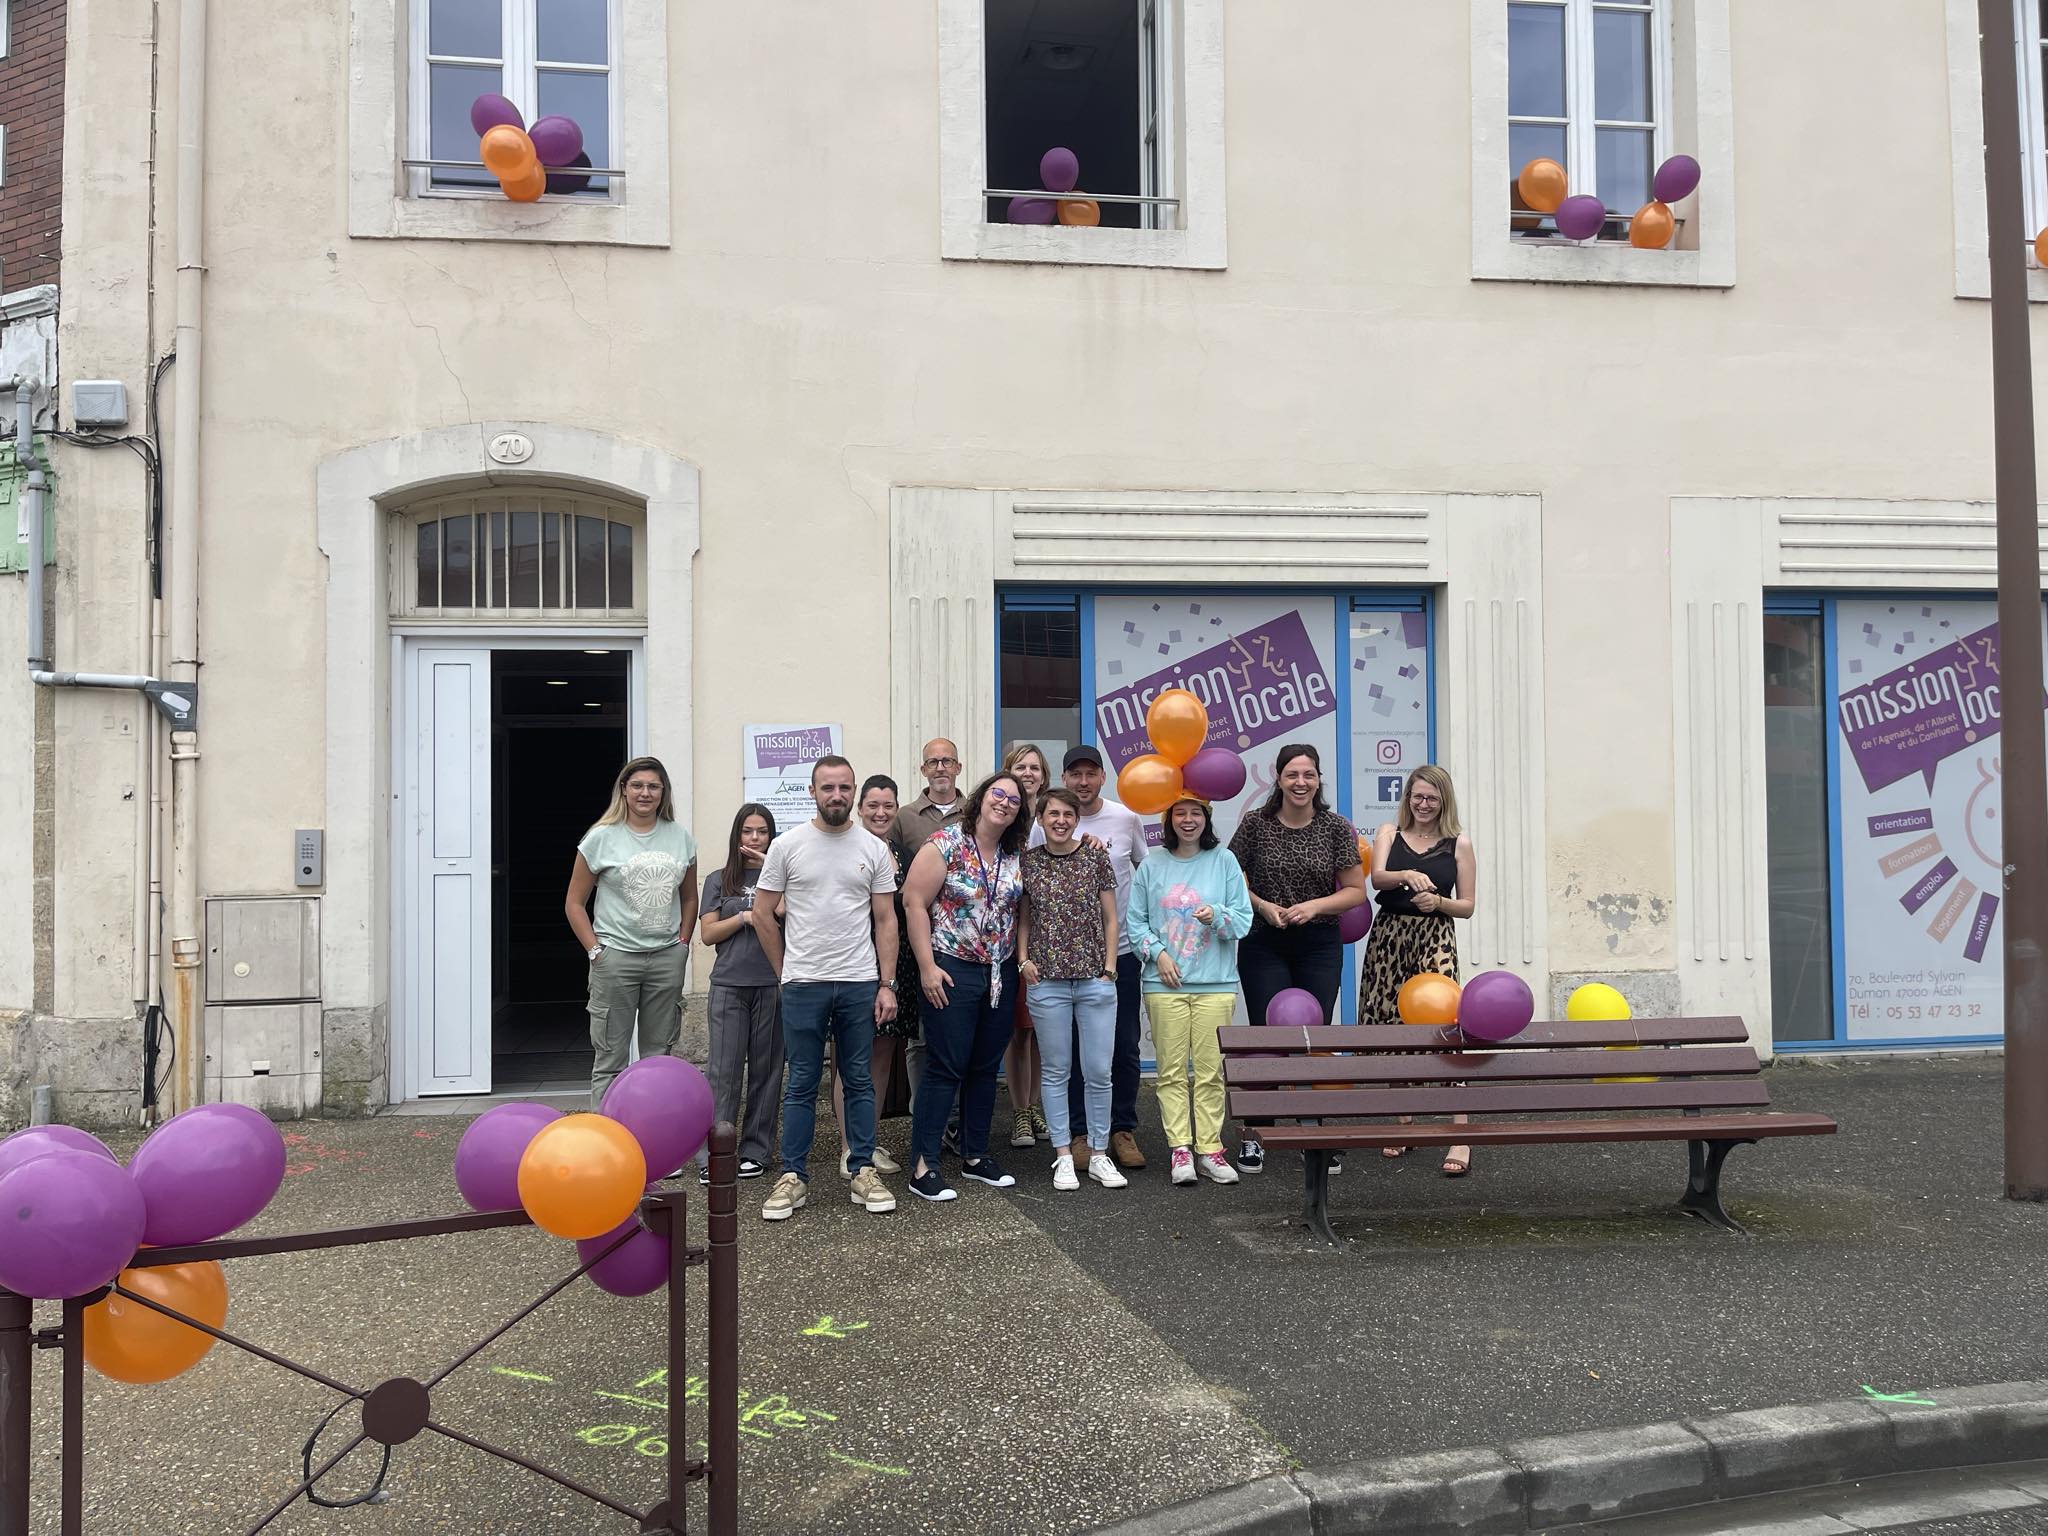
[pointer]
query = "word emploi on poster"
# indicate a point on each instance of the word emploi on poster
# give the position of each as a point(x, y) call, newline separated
point(1918, 782)
point(776, 766)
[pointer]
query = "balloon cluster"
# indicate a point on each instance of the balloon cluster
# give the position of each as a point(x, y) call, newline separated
point(1543, 187)
point(528, 161)
point(1059, 170)
point(1492, 1006)
point(71, 1219)
point(582, 1176)
point(1179, 762)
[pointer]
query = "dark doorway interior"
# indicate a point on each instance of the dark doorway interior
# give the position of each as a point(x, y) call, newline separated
point(558, 736)
point(1067, 73)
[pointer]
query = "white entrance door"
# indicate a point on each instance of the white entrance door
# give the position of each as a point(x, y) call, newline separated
point(448, 795)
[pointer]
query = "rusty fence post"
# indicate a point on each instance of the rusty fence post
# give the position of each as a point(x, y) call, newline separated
point(722, 1457)
point(74, 1418)
point(17, 1359)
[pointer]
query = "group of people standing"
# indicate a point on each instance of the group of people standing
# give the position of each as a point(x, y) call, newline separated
point(1017, 927)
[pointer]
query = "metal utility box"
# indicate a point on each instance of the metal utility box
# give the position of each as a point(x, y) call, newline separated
point(266, 1056)
point(262, 949)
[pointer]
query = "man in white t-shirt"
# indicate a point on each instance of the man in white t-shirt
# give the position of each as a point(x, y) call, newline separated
point(836, 954)
point(1122, 834)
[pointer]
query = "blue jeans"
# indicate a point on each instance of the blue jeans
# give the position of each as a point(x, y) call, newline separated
point(964, 1044)
point(812, 1011)
point(1123, 1066)
point(1061, 1010)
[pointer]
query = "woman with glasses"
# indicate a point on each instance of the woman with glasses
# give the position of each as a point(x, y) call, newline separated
point(641, 864)
point(960, 903)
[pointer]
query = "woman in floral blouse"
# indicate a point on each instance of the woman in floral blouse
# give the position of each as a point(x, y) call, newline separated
point(1066, 958)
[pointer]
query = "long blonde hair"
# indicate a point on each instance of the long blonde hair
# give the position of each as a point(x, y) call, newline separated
point(616, 811)
point(1017, 751)
point(1447, 817)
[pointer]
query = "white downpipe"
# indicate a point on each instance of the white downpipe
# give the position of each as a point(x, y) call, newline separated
point(183, 538)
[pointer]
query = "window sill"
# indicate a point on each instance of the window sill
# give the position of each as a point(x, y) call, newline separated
point(563, 222)
point(1530, 261)
point(1062, 245)
point(1976, 283)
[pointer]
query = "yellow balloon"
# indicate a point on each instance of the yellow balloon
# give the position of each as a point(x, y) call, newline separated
point(1597, 1001)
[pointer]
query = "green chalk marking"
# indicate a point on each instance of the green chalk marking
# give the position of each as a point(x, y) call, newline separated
point(867, 1466)
point(1915, 1398)
point(506, 1370)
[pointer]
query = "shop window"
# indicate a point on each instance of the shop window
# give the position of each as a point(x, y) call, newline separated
point(506, 556)
point(1796, 726)
point(1586, 88)
point(1039, 687)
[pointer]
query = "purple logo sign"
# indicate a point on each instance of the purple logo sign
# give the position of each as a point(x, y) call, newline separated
point(1263, 684)
point(1901, 821)
point(791, 748)
point(1980, 928)
point(1909, 720)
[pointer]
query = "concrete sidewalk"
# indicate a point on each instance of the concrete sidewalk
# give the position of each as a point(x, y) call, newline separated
point(1022, 1361)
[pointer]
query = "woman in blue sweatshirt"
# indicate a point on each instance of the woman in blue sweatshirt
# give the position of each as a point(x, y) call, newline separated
point(1187, 912)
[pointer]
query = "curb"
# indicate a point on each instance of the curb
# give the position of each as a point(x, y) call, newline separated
point(1558, 1480)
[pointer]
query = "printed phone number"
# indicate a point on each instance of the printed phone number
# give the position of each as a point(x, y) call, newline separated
point(1916, 1011)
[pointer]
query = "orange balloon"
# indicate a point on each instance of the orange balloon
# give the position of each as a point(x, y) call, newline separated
point(1652, 227)
point(2041, 248)
point(1178, 726)
point(1365, 854)
point(527, 187)
point(1080, 212)
point(1542, 184)
point(1147, 785)
point(126, 1341)
point(506, 152)
point(1428, 999)
point(581, 1176)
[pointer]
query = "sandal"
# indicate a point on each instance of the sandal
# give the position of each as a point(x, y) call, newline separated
point(1398, 1151)
point(1456, 1162)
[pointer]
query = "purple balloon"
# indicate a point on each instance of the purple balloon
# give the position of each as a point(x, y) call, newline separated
point(1495, 1005)
point(1033, 210)
point(69, 1221)
point(38, 1139)
point(639, 1265)
point(1214, 773)
point(1059, 170)
point(491, 110)
point(487, 1157)
point(205, 1172)
point(666, 1103)
point(556, 139)
point(1676, 178)
point(1356, 923)
point(1295, 1008)
point(1580, 218)
point(562, 182)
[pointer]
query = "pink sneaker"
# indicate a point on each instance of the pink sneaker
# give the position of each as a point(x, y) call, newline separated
point(1216, 1167)
point(1183, 1166)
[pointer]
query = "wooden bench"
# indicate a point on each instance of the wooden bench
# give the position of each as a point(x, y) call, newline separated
point(1296, 1095)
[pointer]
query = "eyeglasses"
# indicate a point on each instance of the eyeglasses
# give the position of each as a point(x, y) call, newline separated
point(643, 789)
point(942, 762)
point(1004, 797)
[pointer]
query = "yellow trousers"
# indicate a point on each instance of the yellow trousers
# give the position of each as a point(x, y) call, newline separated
point(1184, 1026)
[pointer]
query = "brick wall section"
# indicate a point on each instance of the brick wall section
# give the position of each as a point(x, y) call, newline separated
point(32, 109)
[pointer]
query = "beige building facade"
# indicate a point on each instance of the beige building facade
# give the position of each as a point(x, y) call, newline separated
point(784, 420)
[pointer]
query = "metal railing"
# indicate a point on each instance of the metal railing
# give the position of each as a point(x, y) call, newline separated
point(1075, 196)
point(399, 1408)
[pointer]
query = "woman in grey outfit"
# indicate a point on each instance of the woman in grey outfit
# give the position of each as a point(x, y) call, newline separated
point(745, 1001)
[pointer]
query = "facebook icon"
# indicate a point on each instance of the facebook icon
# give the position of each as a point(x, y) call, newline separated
point(1390, 789)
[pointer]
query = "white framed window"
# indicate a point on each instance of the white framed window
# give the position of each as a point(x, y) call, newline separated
point(415, 67)
point(6, 26)
point(1608, 88)
point(530, 556)
point(1588, 83)
point(546, 56)
point(2028, 35)
point(1133, 87)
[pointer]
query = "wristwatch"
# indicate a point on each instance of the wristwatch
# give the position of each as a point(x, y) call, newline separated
point(593, 952)
point(890, 985)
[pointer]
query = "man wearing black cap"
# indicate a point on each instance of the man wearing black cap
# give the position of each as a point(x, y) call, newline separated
point(1122, 835)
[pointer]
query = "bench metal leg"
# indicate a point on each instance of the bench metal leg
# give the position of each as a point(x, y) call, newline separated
point(1315, 1184)
point(1702, 1196)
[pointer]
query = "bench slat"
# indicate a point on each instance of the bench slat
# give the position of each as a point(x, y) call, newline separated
point(1542, 1034)
point(1491, 1066)
point(1537, 1132)
point(1498, 1098)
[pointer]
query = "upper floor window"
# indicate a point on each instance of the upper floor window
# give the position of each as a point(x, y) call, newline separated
point(548, 57)
point(529, 555)
point(1587, 84)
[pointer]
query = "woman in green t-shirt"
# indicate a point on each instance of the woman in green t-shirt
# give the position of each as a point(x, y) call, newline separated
point(642, 866)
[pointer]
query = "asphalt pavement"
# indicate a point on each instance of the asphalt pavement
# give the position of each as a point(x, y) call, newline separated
point(1028, 1361)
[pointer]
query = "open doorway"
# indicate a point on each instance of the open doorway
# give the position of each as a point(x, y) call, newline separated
point(558, 737)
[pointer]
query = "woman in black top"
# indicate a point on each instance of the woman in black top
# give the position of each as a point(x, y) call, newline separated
point(1424, 869)
point(1301, 865)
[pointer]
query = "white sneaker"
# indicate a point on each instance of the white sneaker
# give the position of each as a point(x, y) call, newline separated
point(1063, 1174)
point(884, 1163)
point(1103, 1170)
point(870, 1192)
point(1216, 1167)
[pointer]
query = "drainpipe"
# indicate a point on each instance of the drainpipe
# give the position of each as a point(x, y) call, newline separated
point(183, 538)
